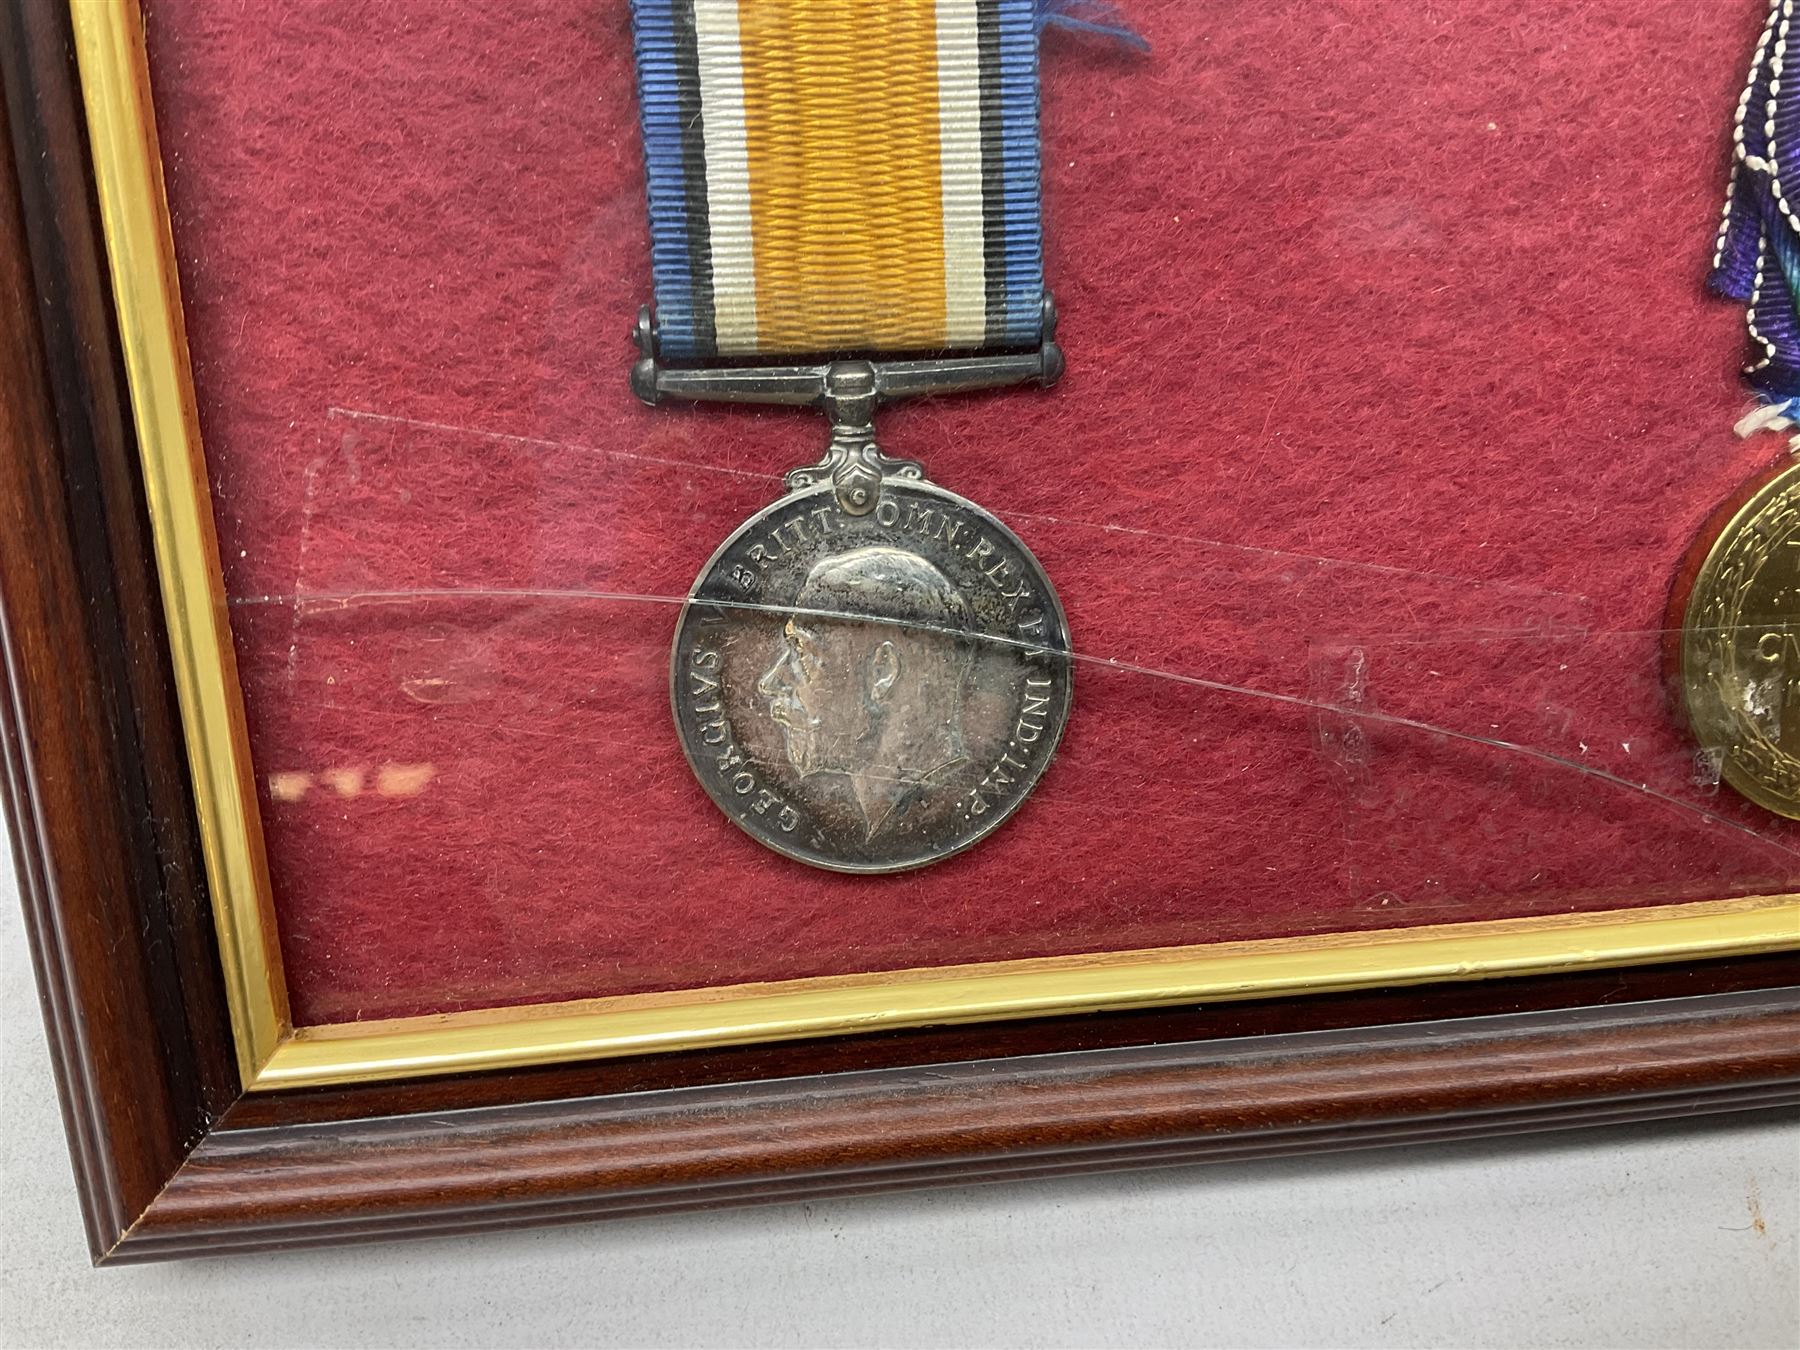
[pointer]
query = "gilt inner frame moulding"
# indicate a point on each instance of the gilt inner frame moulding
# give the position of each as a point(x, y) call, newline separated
point(1720, 956)
point(273, 1053)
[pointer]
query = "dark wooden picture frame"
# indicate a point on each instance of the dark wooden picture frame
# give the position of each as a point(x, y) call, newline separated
point(173, 1158)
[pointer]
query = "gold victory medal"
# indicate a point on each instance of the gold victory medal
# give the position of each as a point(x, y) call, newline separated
point(1734, 646)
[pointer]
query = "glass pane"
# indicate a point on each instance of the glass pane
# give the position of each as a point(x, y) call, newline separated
point(1393, 401)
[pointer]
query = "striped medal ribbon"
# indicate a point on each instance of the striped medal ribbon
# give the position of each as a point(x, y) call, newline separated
point(841, 175)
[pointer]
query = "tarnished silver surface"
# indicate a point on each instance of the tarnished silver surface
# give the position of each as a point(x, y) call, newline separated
point(873, 673)
point(871, 685)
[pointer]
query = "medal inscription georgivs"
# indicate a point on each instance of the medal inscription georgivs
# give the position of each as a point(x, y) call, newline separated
point(871, 692)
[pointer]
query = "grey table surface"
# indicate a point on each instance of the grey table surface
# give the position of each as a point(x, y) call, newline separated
point(1683, 1235)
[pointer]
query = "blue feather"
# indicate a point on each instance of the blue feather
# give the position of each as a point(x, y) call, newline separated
point(1094, 17)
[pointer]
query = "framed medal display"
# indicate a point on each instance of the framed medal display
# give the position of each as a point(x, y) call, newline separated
point(624, 606)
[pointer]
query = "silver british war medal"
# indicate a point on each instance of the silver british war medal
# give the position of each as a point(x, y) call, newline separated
point(872, 673)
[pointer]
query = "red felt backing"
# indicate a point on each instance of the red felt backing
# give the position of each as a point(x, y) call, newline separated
point(1391, 386)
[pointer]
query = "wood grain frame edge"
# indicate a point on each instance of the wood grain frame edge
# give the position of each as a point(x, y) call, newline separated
point(116, 907)
point(1041, 1115)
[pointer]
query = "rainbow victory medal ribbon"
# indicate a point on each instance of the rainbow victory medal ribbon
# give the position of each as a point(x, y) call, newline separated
point(1756, 259)
point(842, 175)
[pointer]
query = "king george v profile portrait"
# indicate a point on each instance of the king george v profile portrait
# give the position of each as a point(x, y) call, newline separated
point(868, 679)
